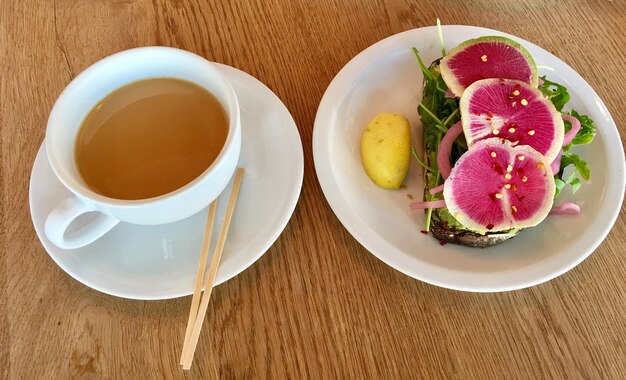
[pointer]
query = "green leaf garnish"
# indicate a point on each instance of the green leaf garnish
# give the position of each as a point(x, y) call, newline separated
point(430, 113)
point(451, 117)
point(423, 67)
point(580, 165)
point(555, 92)
point(559, 185)
point(575, 183)
point(419, 160)
point(437, 113)
point(559, 96)
point(572, 180)
point(440, 31)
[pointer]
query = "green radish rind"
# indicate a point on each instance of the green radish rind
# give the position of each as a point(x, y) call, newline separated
point(451, 79)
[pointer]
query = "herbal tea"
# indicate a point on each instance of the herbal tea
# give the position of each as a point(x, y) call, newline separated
point(150, 138)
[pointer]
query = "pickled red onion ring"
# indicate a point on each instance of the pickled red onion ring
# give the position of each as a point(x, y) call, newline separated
point(569, 136)
point(427, 204)
point(567, 208)
point(436, 190)
point(556, 164)
point(445, 147)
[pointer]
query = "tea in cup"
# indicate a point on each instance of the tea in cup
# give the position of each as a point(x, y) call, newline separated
point(146, 136)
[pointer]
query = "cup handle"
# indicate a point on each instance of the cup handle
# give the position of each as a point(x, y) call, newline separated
point(65, 213)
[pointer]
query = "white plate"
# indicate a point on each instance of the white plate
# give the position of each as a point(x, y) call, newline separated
point(386, 78)
point(159, 262)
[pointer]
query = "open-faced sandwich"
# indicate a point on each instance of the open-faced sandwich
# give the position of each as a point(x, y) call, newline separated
point(496, 143)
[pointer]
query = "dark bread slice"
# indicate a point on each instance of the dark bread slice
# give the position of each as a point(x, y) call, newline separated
point(447, 234)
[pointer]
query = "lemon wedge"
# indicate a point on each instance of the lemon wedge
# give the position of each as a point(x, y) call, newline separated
point(386, 149)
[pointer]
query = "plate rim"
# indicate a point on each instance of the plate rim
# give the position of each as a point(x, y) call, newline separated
point(325, 175)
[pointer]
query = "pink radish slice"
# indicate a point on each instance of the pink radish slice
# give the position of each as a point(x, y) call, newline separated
point(449, 94)
point(487, 57)
point(496, 186)
point(569, 136)
point(429, 204)
point(512, 110)
point(445, 147)
point(567, 208)
point(436, 190)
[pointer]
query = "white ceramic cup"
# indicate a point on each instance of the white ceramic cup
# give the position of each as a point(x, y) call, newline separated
point(73, 105)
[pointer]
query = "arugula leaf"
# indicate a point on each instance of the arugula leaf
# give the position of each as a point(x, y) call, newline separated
point(437, 122)
point(575, 183)
point(559, 96)
point(559, 185)
point(580, 169)
point(555, 92)
point(580, 165)
point(425, 71)
point(440, 31)
point(451, 117)
point(419, 160)
point(437, 113)
point(571, 180)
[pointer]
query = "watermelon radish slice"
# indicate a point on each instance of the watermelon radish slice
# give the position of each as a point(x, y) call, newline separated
point(512, 110)
point(497, 186)
point(487, 57)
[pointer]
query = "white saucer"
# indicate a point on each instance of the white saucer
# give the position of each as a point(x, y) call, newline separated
point(386, 78)
point(159, 262)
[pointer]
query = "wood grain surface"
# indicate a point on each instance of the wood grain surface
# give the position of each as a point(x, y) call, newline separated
point(317, 304)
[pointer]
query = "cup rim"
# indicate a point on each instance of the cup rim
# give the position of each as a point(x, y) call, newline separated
point(232, 109)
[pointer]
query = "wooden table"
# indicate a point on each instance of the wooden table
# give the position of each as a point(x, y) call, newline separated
point(317, 304)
